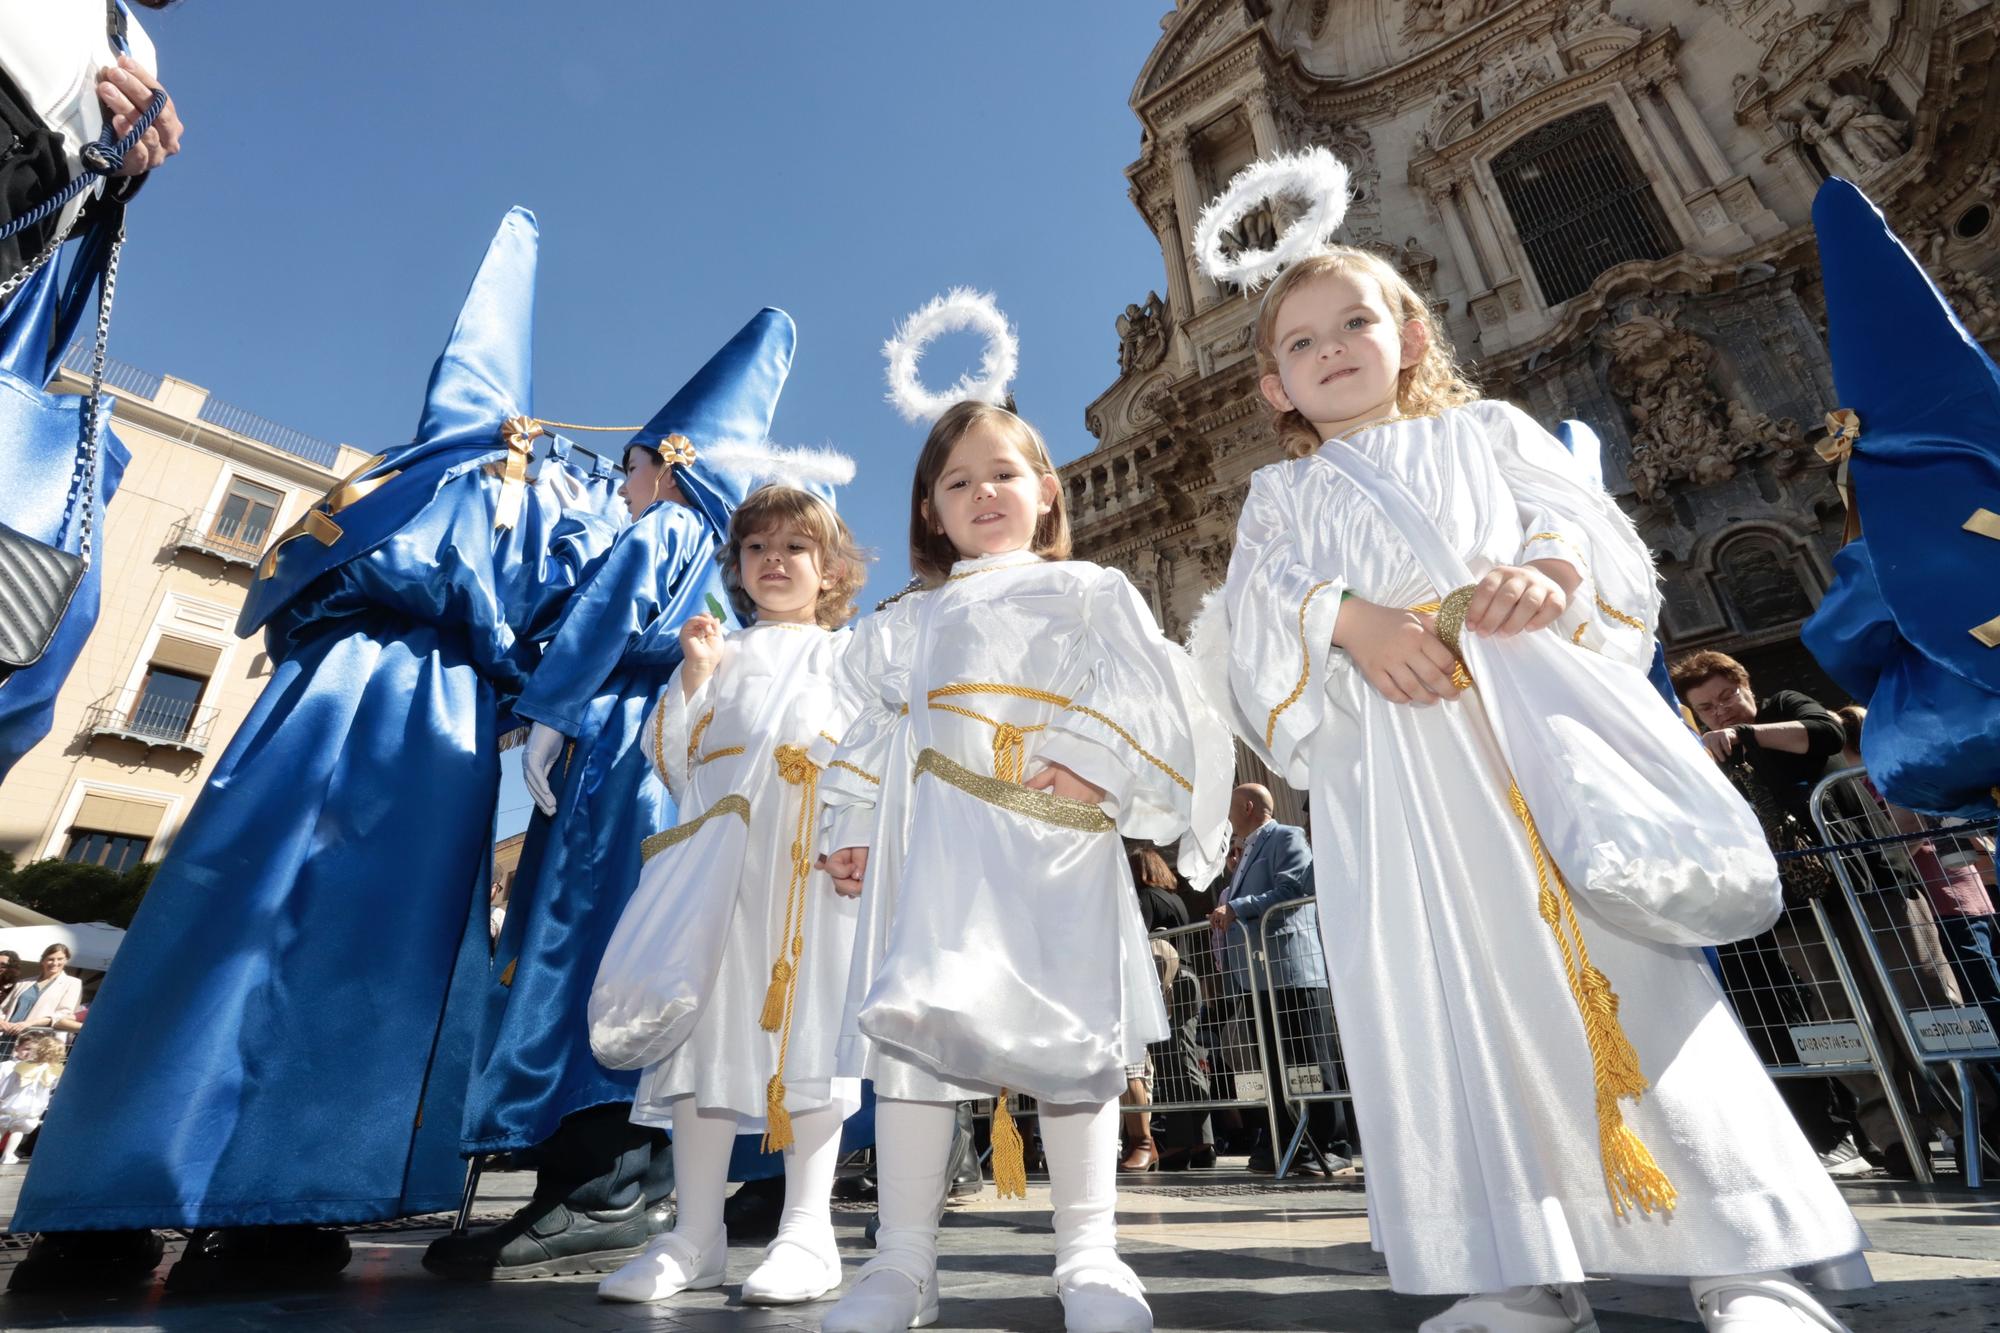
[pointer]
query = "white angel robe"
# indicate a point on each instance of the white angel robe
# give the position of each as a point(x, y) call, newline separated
point(1472, 1075)
point(774, 687)
point(24, 1094)
point(1001, 944)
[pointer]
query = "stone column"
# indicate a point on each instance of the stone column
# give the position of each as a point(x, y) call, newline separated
point(1491, 252)
point(1188, 204)
point(1696, 133)
point(1461, 245)
point(1174, 250)
point(1263, 121)
point(1686, 176)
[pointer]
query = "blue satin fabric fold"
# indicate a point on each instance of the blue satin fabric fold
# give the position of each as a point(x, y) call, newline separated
point(610, 657)
point(286, 1034)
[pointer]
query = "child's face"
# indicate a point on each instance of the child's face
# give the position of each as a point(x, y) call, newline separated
point(780, 569)
point(647, 481)
point(1339, 351)
point(988, 499)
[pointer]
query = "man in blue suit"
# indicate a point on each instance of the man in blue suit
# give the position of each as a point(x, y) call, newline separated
point(1275, 866)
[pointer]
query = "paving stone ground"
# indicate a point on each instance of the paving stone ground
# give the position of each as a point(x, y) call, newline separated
point(1218, 1251)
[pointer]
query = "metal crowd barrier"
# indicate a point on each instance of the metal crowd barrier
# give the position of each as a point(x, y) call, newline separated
point(1915, 888)
point(1314, 1069)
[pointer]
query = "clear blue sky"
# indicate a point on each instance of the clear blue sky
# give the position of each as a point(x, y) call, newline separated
point(346, 164)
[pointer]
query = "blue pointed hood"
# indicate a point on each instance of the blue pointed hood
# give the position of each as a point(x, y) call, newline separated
point(731, 400)
point(486, 372)
point(1927, 457)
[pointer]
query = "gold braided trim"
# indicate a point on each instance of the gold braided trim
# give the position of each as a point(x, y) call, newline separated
point(1577, 638)
point(680, 833)
point(1059, 701)
point(1608, 609)
point(724, 753)
point(856, 770)
point(1042, 805)
point(796, 767)
point(660, 744)
point(1451, 615)
point(700, 730)
point(829, 738)
point(992, 569)
point(1631, 1176)
point(1305, 665)
point(1545, 537)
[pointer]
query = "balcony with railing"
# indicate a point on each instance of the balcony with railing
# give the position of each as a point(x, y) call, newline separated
point(229, 536)
point(151, 719)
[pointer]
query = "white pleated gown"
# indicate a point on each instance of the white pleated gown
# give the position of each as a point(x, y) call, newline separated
point(1471, 1073)
point(1000, 943)
point(774, 687)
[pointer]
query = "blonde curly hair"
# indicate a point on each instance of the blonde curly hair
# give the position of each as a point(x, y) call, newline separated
point(1434, 383)
point(773, 506)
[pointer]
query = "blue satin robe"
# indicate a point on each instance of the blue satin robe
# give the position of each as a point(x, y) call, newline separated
point(286, 1036)
point(611, 655)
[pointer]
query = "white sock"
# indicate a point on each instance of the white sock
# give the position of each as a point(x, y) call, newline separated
point(702, 1141)
point(809, 1167)
point(1081, 1144)
point(912, 1150)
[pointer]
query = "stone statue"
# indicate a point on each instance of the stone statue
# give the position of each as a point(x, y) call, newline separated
point(1678, 419)
point(1142, 334)
point(1853, 129)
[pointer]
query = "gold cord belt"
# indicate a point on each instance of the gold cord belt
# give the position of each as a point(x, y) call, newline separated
point(1007, 736)
point(781, 997)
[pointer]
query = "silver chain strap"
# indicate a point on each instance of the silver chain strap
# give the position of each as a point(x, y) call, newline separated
point(86, 463)
point(34, 266)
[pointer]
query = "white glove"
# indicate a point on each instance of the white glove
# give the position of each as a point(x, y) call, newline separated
point(538, 760)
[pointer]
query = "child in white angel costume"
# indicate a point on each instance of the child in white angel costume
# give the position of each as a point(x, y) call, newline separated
point(26, 1083)
point(726, 975)
point(1012, 719)
point(1523, 1129)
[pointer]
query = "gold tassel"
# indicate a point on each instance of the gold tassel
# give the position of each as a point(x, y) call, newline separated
point(1008, 749)
point(1010, 1160)
point(773, 1016)
point(777, 1120)
point(1631, 1175)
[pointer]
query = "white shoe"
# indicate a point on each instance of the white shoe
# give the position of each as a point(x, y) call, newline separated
point(1105, 1299)
point(669, 1265)
point(794, 1271)
point(1559, 1309)
point(1760, 1303)
point(883, 1301)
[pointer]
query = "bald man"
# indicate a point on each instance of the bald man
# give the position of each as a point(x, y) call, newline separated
point(1275, 866)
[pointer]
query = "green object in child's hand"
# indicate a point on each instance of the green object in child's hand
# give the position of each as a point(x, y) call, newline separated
point(715, 608)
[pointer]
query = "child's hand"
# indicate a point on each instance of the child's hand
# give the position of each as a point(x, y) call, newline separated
point(1396, 651)
point(1063, 782)
point(1514, 599)
point(701, 650)
point(846, 868)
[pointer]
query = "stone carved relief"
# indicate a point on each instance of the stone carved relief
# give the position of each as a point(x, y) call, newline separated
point(1680, 426)
point(1782, 438)
point(1758, 581)
point(1793, 48)
point(1428, 21)
point(1972, 294)
point(1353, 146)
point(1143, 331)
point(1849, 132)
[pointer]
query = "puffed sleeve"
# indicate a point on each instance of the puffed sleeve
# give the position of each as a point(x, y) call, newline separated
point(1564, 516)
point(871, 688)
point(1279, 615)
point(628, 590)
point(1139, 727)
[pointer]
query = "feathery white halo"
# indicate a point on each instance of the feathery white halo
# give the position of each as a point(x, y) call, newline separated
point(764, 461)
point(959, 309)
point(1312, 174)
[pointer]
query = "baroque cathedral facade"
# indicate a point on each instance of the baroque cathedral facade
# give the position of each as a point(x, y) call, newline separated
point(1608, 203)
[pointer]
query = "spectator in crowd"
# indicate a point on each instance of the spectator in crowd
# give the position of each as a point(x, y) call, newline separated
point(10, 970)
point(1275, 866)
point(1775, 749)
point(1159, 905)
point(60, 79)
point(41, 1001)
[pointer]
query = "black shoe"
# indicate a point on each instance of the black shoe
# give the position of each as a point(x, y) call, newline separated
point(754, 1211)
point(235, 1259)
point(88, 1261)
point(544, 1239)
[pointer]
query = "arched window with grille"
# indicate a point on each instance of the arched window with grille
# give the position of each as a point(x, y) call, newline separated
point(1579, 202)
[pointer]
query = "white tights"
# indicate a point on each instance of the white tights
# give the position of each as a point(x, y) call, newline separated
point(702, 1142)
point(912, 1149)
